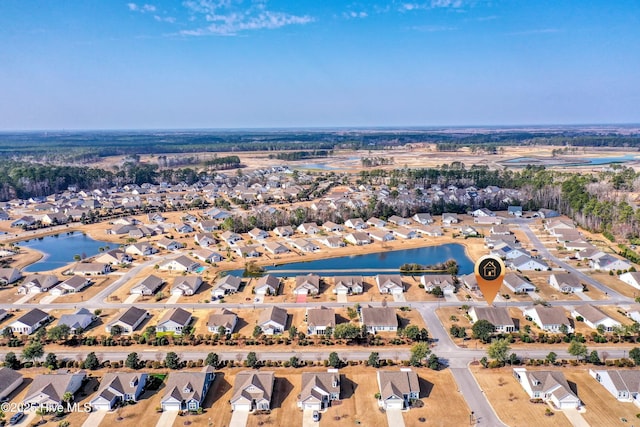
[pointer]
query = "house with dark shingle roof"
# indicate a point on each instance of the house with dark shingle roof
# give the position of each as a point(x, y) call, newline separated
point(129, 320)
point(319, 389)
point(252, 390)
point(29, 322)
point(9, 381)
point(148, 286)
point(224, 318)
point(117, 387)
point(186, 391)
point(174, 321)
point(398, 388)
point(49, 389)
point(273, 320)
point(81, 319)
point(548, 386)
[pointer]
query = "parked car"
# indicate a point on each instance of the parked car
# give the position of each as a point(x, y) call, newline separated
point(16, 418)
point(316, 416)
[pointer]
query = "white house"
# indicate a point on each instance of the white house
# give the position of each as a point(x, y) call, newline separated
point(594, 317)
point(566, 282)
point(128, 321)
point(148, 286)
point(186, 391)
point(624, 385)
point(548, 386)
point(550, 319)
point(518, 284)
point(390, 283)
point(319, 389)
point(319, 320)
point(397, 388)
point(179, 264)
point(226, 285)
point(118, 387)
point(524, 263)
point(222, 318)
point(379, 319)
point(347, 285)
point(252, 390)
point(267, 285)
point(308, 284)
point(9, 381)
point(609, 263)
point(273, 320)
point(186, 285)
point(497, 316)
point(49, 389)
point(631, 278)
point(358, 238)
point(29, 322)
point(174, 321)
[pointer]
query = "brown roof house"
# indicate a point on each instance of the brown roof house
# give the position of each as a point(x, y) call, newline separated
point(49, 389)
point(398, 388)
point(319, 320)
point(379, 319)
point(252, 390)
point(185, 391)
point(319, 389)
point(117, 387)
point(128, 321)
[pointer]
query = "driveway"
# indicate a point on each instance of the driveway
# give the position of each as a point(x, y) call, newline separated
point(342, 298)
point(167, 419)
point(48, 299)
point(239, 418)
point(399, 298)
point(307, 418)
point(173, 298)
point(95, 418)
point(132, 298)
point(29, 418)
point(574, 417)
point(394, 418)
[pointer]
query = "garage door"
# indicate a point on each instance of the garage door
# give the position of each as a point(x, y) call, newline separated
point(242, 407)
point(171, 406)
point(101, 406)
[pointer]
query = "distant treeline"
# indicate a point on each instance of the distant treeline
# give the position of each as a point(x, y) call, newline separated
point(84, 147)
point(227, 162)
point(301, 155)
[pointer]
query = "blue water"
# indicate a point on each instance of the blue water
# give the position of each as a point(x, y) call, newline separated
point(200, 269)
point(60, 249)
point(584, 161)
point(377, 263)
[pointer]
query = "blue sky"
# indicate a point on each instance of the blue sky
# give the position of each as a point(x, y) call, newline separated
point(273, 63)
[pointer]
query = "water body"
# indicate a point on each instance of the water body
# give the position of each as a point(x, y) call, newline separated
point(550, 161)
point(376, 263)
point(60, 249)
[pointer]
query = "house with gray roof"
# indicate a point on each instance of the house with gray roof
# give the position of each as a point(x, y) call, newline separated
point(348, 285)
point(71, 285)
point(379, 319)
point(222, 318)
point(566, 282)
point(9, 381)
point(319, 389)
point(390, 283)
point(118, 387)
point(497, 316)
point(186, 391)
point(91, 268)
point(37, 283)
point(308, 284)
point(49, 389)
point(147, 286)
point(518, 284)
point(29, 322)
point(320, 319)
point(550, 319)
point(252, 390)
point(397, 388)
point(174, 321)
point(128, 321)
point(81, 319)
point(624, 385)
point(9, 275)
point(226, 285)
point(547, 385)
point(593, 317)
point(273, 320)
point(186, 285)
point(267, 285)
point(180, 264)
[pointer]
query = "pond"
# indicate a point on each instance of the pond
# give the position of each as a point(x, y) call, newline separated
point(568, 161)
point(376, 263)
point(60, 249)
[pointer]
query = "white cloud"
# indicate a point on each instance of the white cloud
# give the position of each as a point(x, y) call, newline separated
point(433, 4)
point(433, 28)
point(355, 15)
point(230, 17)
point(169, 19)
point(536, 31)
point(132, 6)
point(145, 8)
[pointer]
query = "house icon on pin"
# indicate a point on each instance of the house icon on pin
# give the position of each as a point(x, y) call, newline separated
point(490, 270)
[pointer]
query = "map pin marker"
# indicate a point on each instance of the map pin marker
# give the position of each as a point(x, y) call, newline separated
point(489, 271)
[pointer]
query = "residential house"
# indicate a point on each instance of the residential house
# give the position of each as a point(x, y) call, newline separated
point(54, 218)
point(284, 231)
point(258, 234)
point(358, 238)
point(186, 285)
point(252, 390)
point(487, 220)
point(29, 322)
point(356, 224)
point(208, 225)
point(319, 389)
point(624, 385)
point(250, 251)
point(114, 256)
point(609, 263)
point(186, 391)
point(24, 221)
point(140, 249)
point(273, 320)
point(376, 222)
point(10, 380)
point(379, 319)
point(397, 388)
point(267, 285)
point(390, 283)
point(423, 218)
point(71, 285)
point(514, 211)
point(332, 227)
point(566, 282)
point(319, 320)
point(593, 317)
point(174, 321)
point(308, 228)
point(518, 284)
point(9, 275)
point(179, 264)
point(117, 388)
point(148, 286)
point(207, 255)
point(276, 248)
point(80, 320)
point(169, 244)
point(307, 285)
point(36, 283)
point(550, 319)
point(348, 285)
point(405, 233)
point(91, 268)
point(222, 318)
point(548, 386)
point(381, 235)
point(204, 239)
point(444, 281)
point(524, 263)
point(450, 218)
point(482, 212)
point(226, 285)
point(49, 389)
point(398, 220)
point(429, 230)
point(497, 316)
point(128, 321)
point(304, 245)
point(500, 230)
point(333, 242)
point(631, 278)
